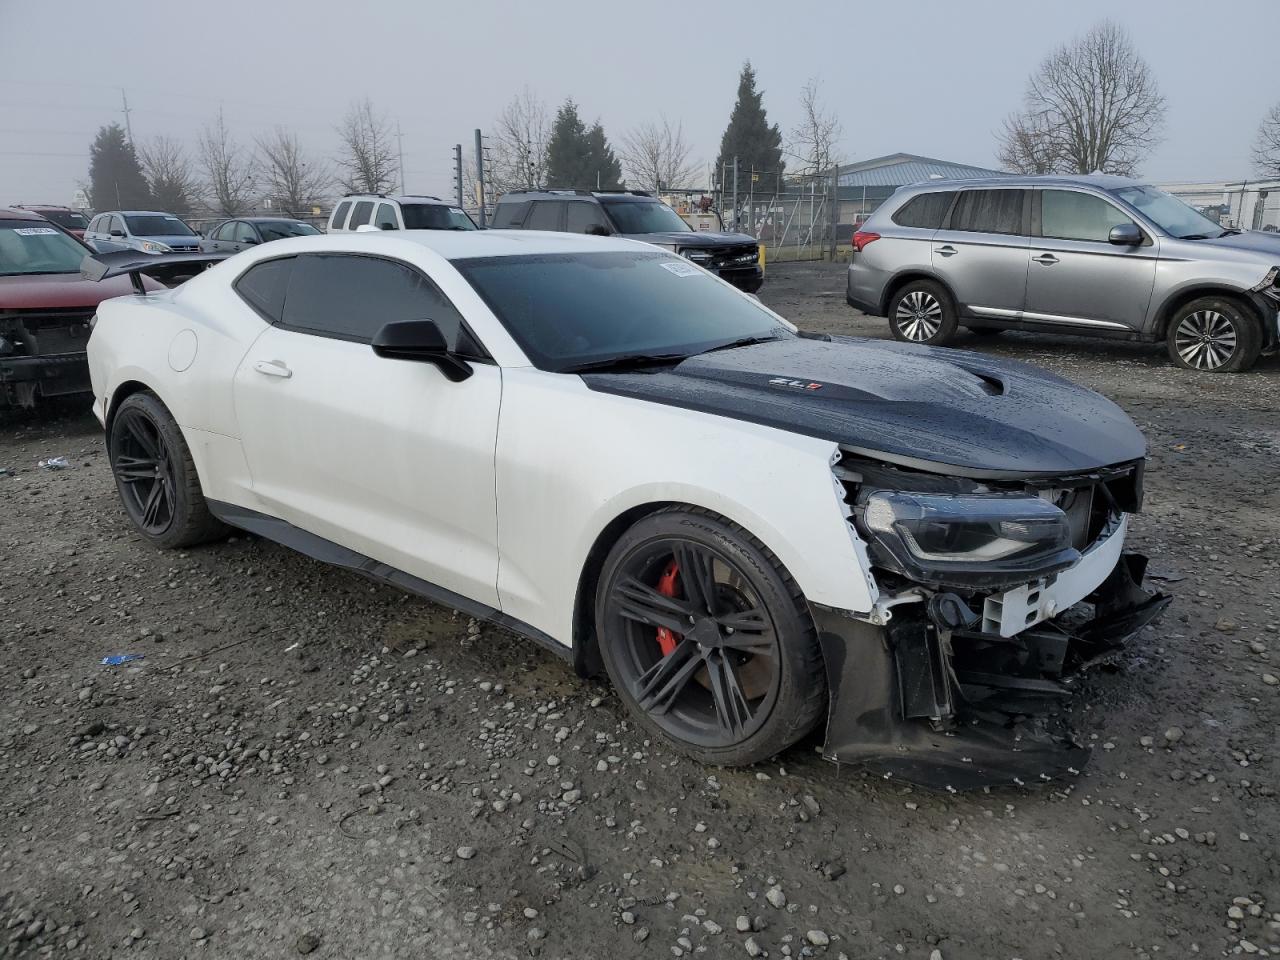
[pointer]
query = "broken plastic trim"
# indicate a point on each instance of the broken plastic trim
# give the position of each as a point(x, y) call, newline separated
point(899, 706)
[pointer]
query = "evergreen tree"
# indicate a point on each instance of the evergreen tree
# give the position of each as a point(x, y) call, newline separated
point(578, 158)
point(603, 170)
point(751, 139)
point(566, 150)
point(116, 181)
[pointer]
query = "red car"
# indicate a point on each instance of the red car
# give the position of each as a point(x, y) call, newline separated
point(72, 221)
point(45, 309)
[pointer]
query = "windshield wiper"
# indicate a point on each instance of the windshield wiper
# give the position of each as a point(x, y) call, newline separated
point(1228, 233)
point(742, 342)
point(627, 361)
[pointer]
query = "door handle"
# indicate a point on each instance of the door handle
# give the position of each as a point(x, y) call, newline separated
point(1048, 259)
point(947, 250)
point(273, 368)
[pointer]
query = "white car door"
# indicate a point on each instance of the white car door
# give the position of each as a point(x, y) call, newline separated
point(386, 457)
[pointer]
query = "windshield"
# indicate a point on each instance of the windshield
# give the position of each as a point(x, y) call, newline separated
point(159, 225)
point(68, 219)
point(435, 216)
point(1169, 213)
point(569, 309)
point(644, 216)
point(279, 229)
point(28, 248)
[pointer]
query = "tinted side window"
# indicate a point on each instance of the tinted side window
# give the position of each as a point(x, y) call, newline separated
point(386, 217)
point(244, 233)
point(989, 211)
point(583, 214)
point(1068, 215)
point(544, 216)
point(925, 210)
point(361, 214)
point(263, 287)
point(351, 297)
point(93, 225)
point(509, 214)
point(340, 215)
point(117, 224)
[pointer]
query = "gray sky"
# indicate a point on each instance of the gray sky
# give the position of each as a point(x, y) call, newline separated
point(934, 78)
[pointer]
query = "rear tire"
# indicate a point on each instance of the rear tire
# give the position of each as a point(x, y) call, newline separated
point(1214, 335)
point(740, 683)
point(922, 312)
point(156, 477)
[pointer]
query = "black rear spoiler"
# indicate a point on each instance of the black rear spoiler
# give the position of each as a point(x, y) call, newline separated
point(169, 268)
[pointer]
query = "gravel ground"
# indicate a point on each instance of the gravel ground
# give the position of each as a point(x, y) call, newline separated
point(305, 763)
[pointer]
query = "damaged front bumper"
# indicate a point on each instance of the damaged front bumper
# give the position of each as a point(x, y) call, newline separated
point(946, 697)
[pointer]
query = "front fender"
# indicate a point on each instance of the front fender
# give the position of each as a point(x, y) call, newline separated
point(560, 487)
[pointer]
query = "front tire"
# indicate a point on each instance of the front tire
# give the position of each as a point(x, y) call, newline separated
point(707, 639)
point(922, 312)
point(156, 477)
point(1213, 335)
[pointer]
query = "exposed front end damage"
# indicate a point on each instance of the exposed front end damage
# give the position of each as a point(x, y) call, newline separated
point(42, 354)
point(996, 595)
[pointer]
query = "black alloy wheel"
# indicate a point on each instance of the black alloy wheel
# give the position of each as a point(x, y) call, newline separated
point(141, 463)
point(155, 475)
point(707, 639)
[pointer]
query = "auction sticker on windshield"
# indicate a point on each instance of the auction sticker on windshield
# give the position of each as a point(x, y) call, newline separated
point(34, 231)
point(681, 269)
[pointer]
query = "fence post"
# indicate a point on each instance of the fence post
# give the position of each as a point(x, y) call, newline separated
point(480, 174)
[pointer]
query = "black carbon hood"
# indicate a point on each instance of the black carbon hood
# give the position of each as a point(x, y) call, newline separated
point(921, 406)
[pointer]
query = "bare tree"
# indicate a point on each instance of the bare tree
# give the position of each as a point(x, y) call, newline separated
point(815, 138)
point(518, 147)
point(292, 182)
point(1266, 148)
point(170, 174)
point(229, 171)
point(656, 156)
point(1028, 145)
point(1096, 101)
point(367, 163)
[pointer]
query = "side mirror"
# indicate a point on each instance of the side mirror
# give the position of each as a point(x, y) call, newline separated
point(117, 232)
point(250, 241)
point(389, 226)
point(596, 230)
point(419, 340)
point(366, 228)
point(1125, 235)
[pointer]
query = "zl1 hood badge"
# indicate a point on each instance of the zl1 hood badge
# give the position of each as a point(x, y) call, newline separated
point(794, 384)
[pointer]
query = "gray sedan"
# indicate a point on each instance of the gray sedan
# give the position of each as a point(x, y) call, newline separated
point(232, 236)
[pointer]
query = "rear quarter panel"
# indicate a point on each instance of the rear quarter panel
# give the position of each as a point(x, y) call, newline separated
point(184, 345)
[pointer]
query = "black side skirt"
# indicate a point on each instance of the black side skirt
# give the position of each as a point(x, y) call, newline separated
point(326, 551)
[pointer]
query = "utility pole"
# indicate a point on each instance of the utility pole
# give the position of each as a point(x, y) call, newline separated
point(400, 150)
point(457, 177)
point(128, 127)
point(480, 173)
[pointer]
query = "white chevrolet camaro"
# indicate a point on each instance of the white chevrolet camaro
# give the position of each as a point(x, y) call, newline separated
point(603, 447)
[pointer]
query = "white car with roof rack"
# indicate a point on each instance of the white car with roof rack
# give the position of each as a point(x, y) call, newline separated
point(359, 212)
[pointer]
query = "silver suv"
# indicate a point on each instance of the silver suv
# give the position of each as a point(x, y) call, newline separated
point(1088, 255)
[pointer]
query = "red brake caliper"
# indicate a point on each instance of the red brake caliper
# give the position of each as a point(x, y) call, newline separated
point(667, 587)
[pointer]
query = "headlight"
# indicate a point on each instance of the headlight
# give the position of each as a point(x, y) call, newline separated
point(968, 540)
point(1268, 283)
point(153, 246)
point(696, 255)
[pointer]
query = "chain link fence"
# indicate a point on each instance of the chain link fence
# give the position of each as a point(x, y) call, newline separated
point(795, 217)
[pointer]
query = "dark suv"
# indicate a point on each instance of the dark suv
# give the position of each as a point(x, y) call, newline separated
point(635, 215)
